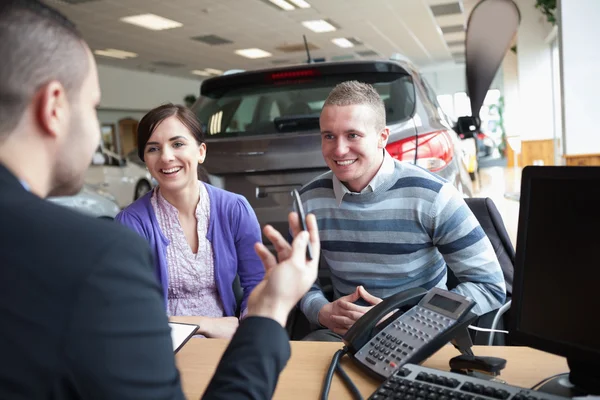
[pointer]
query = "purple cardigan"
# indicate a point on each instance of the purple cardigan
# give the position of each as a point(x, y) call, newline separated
point(233, 230)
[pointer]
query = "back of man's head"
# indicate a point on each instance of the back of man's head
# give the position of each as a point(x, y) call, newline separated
point(37, 45)
point(351, 93)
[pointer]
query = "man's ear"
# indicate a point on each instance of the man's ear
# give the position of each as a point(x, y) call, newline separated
point(202, 150)
point(52, 109)
point(383, 137)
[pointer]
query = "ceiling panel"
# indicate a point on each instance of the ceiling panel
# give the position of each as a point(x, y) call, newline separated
point(384, 27)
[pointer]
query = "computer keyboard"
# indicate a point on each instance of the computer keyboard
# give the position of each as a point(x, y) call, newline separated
point(414, 382)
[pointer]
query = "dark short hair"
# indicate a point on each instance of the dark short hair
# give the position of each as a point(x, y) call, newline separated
point(38, 45)
point(157, 115)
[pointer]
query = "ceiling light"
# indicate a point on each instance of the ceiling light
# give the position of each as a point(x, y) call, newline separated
point(114, 53)
point(300, 3)
point(253, 53)
point(342, 42)
point(284, 5)
point(151, 21)
point(200, 72)
point(319, 26)
point(213, 71)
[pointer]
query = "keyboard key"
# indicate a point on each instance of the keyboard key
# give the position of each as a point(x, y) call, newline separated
point(421, 376)
point(370, 360)
point(467, 387)
point(501, 394)
point(478, 389)
point(453, 383)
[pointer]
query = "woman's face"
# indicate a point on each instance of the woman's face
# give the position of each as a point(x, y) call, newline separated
point(172, 155)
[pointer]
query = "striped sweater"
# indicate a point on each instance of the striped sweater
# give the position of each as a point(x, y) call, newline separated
point(403, 234)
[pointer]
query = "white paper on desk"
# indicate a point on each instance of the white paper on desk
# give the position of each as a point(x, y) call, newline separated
point(180, 333)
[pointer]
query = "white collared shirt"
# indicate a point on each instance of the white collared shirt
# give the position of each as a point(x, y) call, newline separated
point(386, 169)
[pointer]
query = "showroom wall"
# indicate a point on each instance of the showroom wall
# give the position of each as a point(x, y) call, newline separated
point(127, 90)
point(451, 78)
point(580, 57)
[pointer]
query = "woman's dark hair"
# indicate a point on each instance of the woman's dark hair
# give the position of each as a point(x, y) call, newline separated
point(157, 115)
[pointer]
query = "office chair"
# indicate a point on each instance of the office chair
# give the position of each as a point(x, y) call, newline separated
point(490, 220)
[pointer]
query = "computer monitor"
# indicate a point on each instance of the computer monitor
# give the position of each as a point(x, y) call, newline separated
point(556, 295)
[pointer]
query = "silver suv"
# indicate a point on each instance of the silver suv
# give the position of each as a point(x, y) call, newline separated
point(263, 138)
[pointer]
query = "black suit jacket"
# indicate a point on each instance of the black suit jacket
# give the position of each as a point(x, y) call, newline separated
point(82, 317)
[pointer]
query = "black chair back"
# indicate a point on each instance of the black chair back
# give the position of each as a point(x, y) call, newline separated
point(491, 221)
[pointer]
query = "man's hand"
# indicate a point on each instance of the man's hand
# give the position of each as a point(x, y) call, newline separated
point(285, 282)
point(340, 315)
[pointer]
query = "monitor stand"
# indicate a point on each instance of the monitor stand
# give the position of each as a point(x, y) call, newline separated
point(582, 380)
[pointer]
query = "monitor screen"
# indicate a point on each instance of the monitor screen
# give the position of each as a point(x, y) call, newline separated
point(557, 271)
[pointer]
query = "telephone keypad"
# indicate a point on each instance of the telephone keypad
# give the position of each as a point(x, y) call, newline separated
point(393, 346)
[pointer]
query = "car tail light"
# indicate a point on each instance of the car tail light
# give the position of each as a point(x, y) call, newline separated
point(435, 150)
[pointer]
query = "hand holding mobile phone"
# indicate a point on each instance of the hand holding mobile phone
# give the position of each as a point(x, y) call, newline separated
point(302, 217)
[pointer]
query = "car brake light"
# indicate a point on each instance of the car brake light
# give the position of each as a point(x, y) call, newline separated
point(434, 153)
point(301, 73)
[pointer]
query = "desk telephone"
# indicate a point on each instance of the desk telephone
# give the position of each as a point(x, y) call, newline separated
point(425, 321)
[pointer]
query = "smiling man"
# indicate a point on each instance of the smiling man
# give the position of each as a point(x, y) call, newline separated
point(386, 226)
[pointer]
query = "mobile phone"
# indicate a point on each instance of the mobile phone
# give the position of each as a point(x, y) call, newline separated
point(302, 217)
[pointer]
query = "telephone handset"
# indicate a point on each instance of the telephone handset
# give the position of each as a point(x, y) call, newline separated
point(425, 321)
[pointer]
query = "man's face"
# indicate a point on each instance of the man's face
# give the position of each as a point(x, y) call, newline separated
point(351, 144)
point(82, 138)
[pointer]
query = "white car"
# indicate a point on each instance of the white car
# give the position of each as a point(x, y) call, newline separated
point(91, 201)
point(125, 178)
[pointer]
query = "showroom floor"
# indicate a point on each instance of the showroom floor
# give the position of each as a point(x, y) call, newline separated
point(502, 185)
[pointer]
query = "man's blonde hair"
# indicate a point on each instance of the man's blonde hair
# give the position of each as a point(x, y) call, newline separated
point(351, 93)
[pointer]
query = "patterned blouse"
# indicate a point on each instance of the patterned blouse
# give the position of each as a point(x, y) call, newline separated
point(192, 289)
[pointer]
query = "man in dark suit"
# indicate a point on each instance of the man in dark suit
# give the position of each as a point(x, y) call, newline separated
point(81, 314)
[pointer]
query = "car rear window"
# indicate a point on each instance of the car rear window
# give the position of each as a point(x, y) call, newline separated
point(293, 106)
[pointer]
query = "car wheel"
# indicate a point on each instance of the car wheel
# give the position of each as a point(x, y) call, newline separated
point(141, 189)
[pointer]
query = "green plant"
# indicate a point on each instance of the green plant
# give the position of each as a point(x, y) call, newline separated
point(500, 124)
point(189, 100)
point(548, 8)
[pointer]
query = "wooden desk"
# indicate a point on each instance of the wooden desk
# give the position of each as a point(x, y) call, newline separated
point(303, 376)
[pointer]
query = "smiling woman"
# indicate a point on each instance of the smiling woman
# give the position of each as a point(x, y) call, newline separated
point(202, 237)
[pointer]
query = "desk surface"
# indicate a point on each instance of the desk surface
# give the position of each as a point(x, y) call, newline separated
point(303, 376)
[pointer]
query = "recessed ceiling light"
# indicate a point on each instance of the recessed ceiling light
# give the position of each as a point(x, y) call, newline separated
point(300, 3)
point(114, 53)
point(200, 72)
point(253, 53)
point(319, 26)
point(342, 42)
point(284, 5)
point(151, 21)
point(213, 71)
